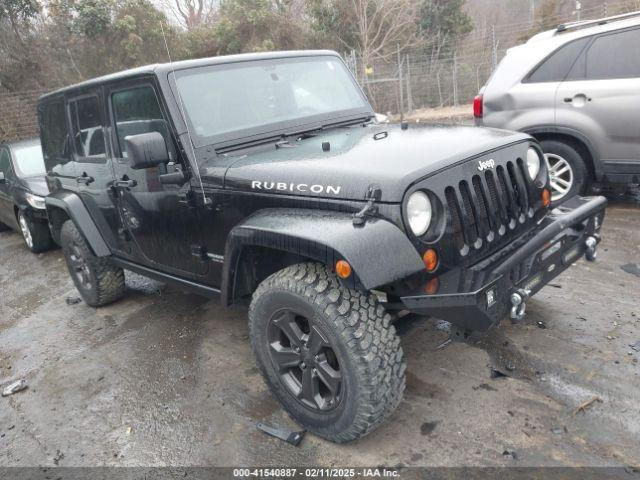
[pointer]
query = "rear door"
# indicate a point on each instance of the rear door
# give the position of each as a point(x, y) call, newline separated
point(93, 166)
point(601, 97)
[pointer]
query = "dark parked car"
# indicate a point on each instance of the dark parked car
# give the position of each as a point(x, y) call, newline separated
point(22, 192)
point(263, 179)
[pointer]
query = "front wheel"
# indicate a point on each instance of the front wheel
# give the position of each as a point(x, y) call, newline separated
point(36, 234)
point(329, 354)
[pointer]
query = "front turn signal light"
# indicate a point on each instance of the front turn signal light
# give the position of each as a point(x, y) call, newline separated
point(546, 197)
point(343, 269)
point(430, 259)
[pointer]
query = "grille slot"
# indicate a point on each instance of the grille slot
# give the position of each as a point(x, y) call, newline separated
point(486, 206)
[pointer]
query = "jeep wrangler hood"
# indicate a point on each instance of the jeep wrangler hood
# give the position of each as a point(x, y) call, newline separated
point(343, 162)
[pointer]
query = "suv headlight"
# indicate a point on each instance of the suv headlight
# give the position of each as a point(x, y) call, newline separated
point(35, 201)
point(419, 213)
point(533, 163)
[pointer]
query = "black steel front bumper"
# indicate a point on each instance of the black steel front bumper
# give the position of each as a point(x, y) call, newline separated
point(474, 298)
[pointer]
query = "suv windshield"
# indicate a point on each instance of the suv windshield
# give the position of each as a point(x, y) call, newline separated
point(231, 101)
point(29, 161)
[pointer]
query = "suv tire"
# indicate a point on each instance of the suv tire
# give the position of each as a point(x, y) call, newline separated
point(96, 278)
point(308, 330)
point(573, 175)
point(35, 234)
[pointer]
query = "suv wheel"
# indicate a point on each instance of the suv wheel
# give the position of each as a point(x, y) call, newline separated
point(96, 278)
point(568, 173)
point(36, 234)
point(329, 354)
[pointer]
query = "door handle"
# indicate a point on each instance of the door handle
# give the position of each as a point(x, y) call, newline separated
point(85, 179)
point(125, 183)
point(568, 100)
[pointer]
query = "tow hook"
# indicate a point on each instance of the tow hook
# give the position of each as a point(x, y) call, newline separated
point(519, 304)
point(591, 252)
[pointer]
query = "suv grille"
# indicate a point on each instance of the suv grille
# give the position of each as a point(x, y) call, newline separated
point(493, 204)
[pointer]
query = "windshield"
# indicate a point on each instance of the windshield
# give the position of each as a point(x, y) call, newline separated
point(29, 161)
point(232, 101)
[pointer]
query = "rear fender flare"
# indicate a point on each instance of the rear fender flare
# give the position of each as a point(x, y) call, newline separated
point(378, 252)
point(72, 205)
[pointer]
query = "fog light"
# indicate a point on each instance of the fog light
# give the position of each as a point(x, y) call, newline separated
point(343, 269)
point(430, 259)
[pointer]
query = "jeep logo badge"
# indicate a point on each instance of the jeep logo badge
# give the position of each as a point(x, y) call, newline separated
point(486, 165)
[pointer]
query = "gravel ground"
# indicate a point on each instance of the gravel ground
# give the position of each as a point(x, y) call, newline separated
point(167, 378)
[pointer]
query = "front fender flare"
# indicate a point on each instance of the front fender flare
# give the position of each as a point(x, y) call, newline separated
point(378, 252)
point(78, 213)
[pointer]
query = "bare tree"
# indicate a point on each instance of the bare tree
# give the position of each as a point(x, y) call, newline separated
point(383, 26)
point(191, 13)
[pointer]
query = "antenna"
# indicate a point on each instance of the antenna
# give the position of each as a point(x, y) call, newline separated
point(184, 119)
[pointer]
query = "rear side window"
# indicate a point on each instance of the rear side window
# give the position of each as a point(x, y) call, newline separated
point(86, 122)
point(137, 111)
point(54, 133)
point(557, 65)
point(614, 56)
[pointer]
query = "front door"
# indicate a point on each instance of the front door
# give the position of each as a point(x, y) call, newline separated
point(163, 225)
point(600, 97)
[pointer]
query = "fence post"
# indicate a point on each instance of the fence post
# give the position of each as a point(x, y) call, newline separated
point(400, 85)
point(494, 48)
point(409, 96)
point(455, 79)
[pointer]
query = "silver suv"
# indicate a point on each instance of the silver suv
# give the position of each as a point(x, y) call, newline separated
point(577, 90)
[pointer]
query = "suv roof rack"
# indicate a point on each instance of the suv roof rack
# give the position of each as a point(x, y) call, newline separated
point(587, 23)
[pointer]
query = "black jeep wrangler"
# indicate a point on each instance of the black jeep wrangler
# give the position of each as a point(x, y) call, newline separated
point(264, 179)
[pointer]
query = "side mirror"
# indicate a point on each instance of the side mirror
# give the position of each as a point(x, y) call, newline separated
point(146, 150)
point(2, 179)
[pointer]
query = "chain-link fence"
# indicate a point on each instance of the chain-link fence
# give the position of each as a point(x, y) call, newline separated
point(409, 81)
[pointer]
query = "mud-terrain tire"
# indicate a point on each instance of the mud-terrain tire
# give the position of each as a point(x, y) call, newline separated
point(564, 155)
point(357, 345)
point(96, 278)
point(36, 234)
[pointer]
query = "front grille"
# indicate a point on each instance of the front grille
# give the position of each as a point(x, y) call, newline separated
point(490, 206)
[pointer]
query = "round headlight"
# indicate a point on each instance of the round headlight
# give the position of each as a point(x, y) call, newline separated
point(533, 163)
point(419, 213)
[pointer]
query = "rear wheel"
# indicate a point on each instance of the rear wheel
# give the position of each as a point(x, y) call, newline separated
point(329, 354)
point(36, 234)
point(568, 173)
point(96, 278)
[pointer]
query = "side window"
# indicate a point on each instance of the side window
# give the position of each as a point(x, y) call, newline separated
point(54, 134)
point(614, 56)
point(137, 111)
point(87, 125)
point(5, 161)
point(556, 66)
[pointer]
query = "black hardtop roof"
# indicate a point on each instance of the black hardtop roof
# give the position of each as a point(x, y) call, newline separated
point(164, 68)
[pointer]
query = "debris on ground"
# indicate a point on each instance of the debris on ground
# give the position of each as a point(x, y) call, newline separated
point(541, 324)
point(510, 454)
point(294, 438)
point(15, 387)
point(428, 427)
point(485, 386)
point(632, 268)
point(73, 300)
point(444, 344)
point(635, 346)
point(554, 285)
point(580, 317)
point(496, 374)
point(559, 430)
point(59, 456)
point(583, 406)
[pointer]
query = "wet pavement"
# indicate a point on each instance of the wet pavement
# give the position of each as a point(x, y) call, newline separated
point(167, 378)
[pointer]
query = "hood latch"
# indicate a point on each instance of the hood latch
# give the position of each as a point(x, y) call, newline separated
point(374, 194)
